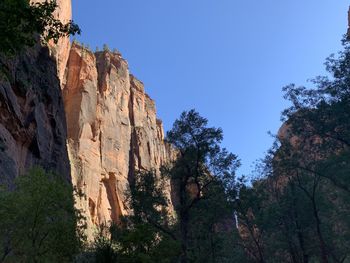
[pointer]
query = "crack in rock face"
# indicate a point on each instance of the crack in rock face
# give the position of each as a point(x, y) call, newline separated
point(112, 131)
point(82, 115)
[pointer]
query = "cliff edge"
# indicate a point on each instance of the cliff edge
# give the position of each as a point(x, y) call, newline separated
point(82, 115)
point(112, 131)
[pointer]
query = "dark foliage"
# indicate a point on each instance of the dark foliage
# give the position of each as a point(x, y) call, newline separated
point(38, 220)
point(21, 23)
point(298, 211)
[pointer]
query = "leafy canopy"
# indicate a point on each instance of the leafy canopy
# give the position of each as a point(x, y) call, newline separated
point(21, 21)
point(38, 220)
point(203, 183)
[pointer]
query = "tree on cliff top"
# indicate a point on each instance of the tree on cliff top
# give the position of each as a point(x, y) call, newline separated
point(20, 21)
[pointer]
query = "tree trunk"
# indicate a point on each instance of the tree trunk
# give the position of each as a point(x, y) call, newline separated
point(184, 235)
point(323, 249)
point(299, 232)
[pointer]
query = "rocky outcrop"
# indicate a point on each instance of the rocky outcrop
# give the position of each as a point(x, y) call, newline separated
point(32, 119)
point(112, 131)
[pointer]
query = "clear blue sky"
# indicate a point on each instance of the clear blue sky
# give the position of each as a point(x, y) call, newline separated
point(228, 59)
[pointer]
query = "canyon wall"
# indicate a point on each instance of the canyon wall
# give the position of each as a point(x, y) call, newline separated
point(112, 131)
point(82, 115)
point(32, 118)
point(60, 51)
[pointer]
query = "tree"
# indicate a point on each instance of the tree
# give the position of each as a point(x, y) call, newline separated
point(38, 220)
point(319, 155)
point(105, 48)
point(212, 228)
point(298, 210)
point(197, 225)
point(201, 166)
point(21, 22)
point(147, 233)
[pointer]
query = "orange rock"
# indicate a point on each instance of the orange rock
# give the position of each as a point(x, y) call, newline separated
point(61, 50)
point(112, 131)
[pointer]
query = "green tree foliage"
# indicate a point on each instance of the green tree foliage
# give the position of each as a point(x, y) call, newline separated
point(105, 48)
point(147, 234)
point(298, 211)
point(203, 179)
point(21, 22)
point(198, 223)
point(38, 220)
point(103, 249)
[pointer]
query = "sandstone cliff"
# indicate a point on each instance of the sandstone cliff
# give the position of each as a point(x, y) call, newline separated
point(32, 119)
point(60, 51)
point(112, 131)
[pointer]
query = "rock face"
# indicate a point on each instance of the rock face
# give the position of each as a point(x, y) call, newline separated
point(32, 118)
point(101, 132)
point(61, 50)
point(112, 131)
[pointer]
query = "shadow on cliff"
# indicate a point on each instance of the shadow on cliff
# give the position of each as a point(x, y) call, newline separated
point(32, 118)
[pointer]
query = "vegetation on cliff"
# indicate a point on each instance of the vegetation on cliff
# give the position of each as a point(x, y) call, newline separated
point(21, 22)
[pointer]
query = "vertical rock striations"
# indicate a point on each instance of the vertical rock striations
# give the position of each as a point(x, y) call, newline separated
point(112, 131)
point(101, 132)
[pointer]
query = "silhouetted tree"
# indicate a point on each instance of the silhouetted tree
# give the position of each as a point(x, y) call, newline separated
point(298, 211)
point(21, 22)
point(200, 167)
